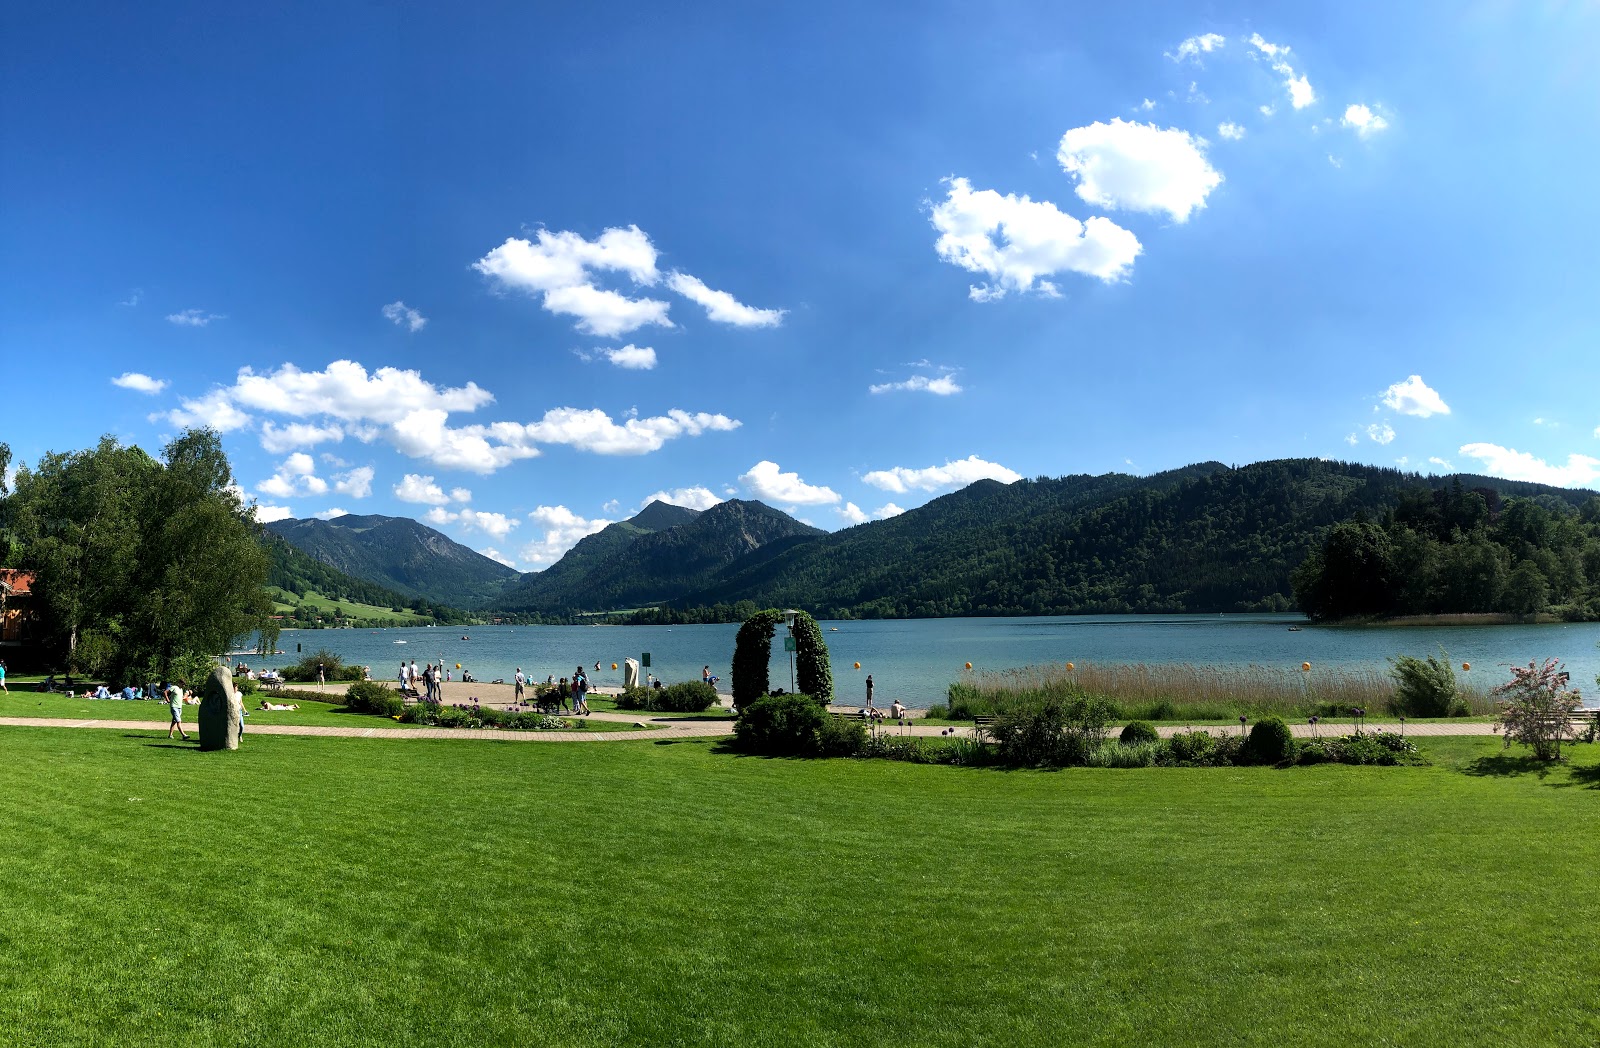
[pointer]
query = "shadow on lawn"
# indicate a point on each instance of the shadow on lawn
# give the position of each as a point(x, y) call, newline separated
point(1506, 765)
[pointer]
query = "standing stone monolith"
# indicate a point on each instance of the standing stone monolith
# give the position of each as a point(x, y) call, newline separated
point(221, 714)
point(630, 673)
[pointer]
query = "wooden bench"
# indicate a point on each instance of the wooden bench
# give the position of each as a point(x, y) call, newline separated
point(981, 724)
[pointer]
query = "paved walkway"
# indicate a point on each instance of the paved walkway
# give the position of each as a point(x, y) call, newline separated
point(672, 729)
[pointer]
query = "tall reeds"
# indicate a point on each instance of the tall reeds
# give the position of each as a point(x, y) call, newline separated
point(1189, 692)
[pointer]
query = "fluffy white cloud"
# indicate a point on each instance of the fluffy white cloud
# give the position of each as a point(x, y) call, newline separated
point(404, 316)
point(344, 390)
point(1381, 432)
point(1363, 121)
point(1413, 397)
point(953, 474)
point(561, 267)
point(852, 513)
point(1299, 88)
point(721, 306)
point(1352, 440)
point(214, 410)
point(494, 554)
point(277, 439)
point(1196, 46)
point(139, 383)
point(1229, 130)
point(942, 385)
point(888, 509)
point(634, 358)
point(1139, 167)
point(1270, 50)
point(1441, 463)
point(1267, 110)
point(690, 498)
point(767, 481)
point(357, 483)
point(331, 512)
point(1017, 241)
point(267, 514)
point(422, 489)
point(562, 530)
point(497, 525)
point(593, 430)
point(1520, 465)
point(194, 318)
point(296, 477)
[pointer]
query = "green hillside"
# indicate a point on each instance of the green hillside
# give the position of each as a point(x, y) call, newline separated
point(307, 591)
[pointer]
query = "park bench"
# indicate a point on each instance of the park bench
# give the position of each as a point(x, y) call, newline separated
point(981, 724)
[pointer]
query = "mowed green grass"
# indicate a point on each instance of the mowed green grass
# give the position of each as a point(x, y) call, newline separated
point(316, 714)
point(349, 892)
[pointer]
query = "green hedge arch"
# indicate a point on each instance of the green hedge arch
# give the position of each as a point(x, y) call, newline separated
point(752, 652)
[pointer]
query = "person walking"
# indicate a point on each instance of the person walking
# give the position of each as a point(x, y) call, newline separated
point(580, 693)
point(520, 680)
point(322, 675)
point(404, 678)
point(175, 702)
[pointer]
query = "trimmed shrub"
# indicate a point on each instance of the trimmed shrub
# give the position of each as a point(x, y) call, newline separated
point(1271, 742)
point(1137, 732)
point(1424, 687)
point(1051, 733)
point(779, 726)
point(841, 737)
point(1191, 747)
point(752, 651)
point(372, 697)
point(690, 696)
point(635, 698)
point(1126, 755)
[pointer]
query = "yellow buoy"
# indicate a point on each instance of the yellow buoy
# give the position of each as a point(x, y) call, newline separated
point(1070, 667)
point(969, 665)
point(1306, 666)
point(1466, 665)
point(458, 665)
point(858, 665)
point(613, 665)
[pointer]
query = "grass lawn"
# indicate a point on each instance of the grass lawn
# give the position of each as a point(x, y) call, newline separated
point(322, 714)
point(339, 892)
point(317, 603)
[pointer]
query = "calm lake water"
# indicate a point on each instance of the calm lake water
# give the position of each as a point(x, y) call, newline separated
point(915, 659)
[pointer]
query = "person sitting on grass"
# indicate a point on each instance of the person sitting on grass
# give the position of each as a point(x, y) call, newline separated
point(276, 707)
point(102, 692)
point(898, 710)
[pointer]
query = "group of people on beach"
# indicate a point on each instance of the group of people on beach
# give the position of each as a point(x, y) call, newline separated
point(569, 695)
point(430, 680)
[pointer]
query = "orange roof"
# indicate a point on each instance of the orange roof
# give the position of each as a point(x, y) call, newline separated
point(20, 581)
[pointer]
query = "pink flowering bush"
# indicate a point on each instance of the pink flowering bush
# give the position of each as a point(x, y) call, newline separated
point(1536, 707)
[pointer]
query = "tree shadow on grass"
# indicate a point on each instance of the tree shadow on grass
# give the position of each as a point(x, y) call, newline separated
point(1506, 765)
point(1587, 778)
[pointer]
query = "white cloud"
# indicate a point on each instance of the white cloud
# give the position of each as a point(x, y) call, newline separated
point(888, 509)
point(214, 410)
point(633, 358)
point(1196, 46)
point(1231, 131)
point(852, 513)
point(1363, 121)
point(562, 530)
point(344, 390)
point(1381, 432)
point(1145, 106)
point(1270, 50)
point(496, 555)
point(404, 316)
point(422, 489)
point(277, 439)
point(357, 483)
point(194, 318)
point(139, 383)
point(1299, 88)
point(495, 525)
point(1441, 463)
point(134, 297)
point(593, 430)
point(721, 306)
point(561, 267)
point(954, 474)
point(1139, 167)
point(296, 477)
point(767, 481)
point(1413, 397)
point(331, 512)
point(1036, 240)
point(266, 514)
point(1267, 110)
point(689, 498)
point(942, 385)
point(1352, 440)
point(1520, 465)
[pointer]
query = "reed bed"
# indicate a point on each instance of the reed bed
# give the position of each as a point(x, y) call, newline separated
point(1189, 692)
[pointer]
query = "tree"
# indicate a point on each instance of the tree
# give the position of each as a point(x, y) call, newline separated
point(1537, 707)
point(1527, 593)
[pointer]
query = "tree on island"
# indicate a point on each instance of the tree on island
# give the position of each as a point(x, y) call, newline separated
point(140, 563)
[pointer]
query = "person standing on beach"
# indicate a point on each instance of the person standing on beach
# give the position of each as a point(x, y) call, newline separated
point(404, 678)
point(519, 680)
point(869, 691)
point(175, 702)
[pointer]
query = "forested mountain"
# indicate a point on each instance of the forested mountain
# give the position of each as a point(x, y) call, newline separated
point(401, 554)
point(627, 565)
point(296, 574)
point(1203, 538)
point(1455, 550)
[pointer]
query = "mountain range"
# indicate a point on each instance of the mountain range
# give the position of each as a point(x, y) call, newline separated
point(1204, 538)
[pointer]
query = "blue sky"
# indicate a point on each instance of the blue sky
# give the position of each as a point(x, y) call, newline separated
point(515, 272)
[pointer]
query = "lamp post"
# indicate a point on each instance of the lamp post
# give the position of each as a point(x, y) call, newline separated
point(789, 615)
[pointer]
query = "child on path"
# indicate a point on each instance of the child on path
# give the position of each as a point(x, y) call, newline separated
point(175, 702)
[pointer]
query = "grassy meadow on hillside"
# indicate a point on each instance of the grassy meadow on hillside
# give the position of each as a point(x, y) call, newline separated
point(333, 891)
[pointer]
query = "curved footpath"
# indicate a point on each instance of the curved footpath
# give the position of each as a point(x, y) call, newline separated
point(659, 728)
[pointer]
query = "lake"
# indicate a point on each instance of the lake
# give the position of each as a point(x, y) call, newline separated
point(914, 660)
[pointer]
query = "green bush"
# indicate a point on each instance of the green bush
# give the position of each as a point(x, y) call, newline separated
point(246, 686)
point(779, 726)
point(1126, 755)
point(690, 696)
point(1050, 733)
point(333, 668)
point(1191, 747)
point(635, 698)
point(375, 698)
point(437, 716)
point(1137, 732)
point(1424, 687)
point(1271, 742)
point(841, 737)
